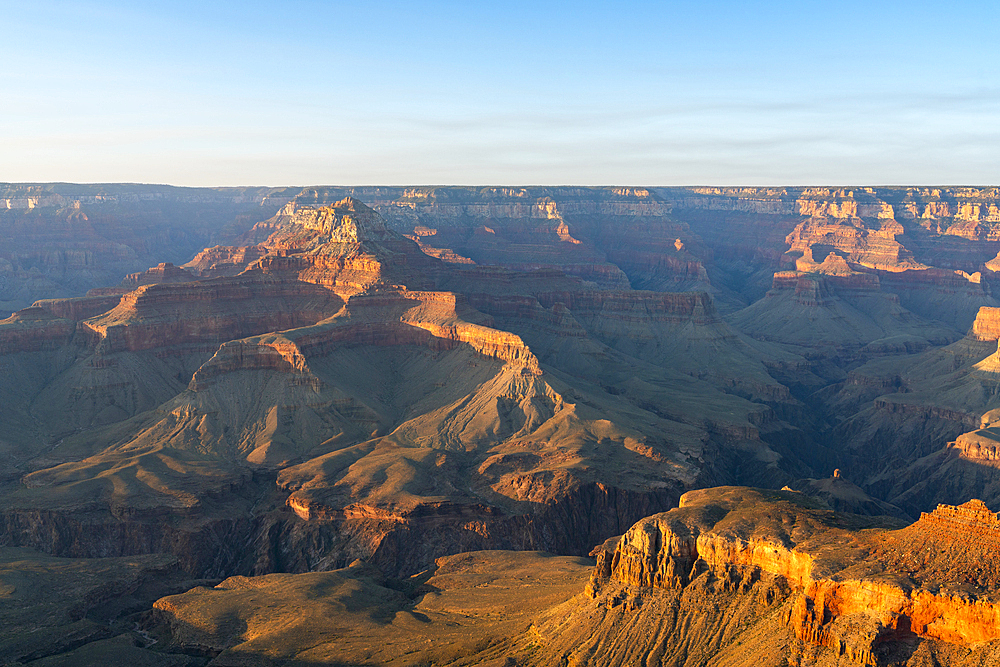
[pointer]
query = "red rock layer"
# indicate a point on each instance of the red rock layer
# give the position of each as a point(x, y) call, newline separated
point(860, 243)
point(669, 550)
point(220, 261)
point(213, 311)
point(973, 516)
point(33, 329)
point(80, 308)
point(345, 247)
point(426, 319)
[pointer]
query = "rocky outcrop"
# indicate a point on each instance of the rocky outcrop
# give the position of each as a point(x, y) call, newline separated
point(845, 590)
point(212, 311)
point(219, 261)
point(987, 324)
point(811, 286)
point(426, 319)
point(33, 329)
point(164, 272)
point(269, 353)
point(345, 247)
point(870, 246)
point(973, 518)
point(982, 446)
point(79, 308)
point(835, 311)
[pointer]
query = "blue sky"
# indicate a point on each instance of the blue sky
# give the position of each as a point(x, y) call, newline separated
point(653, 93)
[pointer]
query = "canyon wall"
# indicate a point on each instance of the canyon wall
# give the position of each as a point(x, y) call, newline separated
point(843, 590)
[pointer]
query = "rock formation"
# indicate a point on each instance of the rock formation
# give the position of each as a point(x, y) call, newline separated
point(64, 239)
point(164, 272)
point(405, 374)
point(321, 366)
point(774, 577)
point(734, 576)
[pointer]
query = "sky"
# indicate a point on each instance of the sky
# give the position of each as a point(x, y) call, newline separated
point(713, 92)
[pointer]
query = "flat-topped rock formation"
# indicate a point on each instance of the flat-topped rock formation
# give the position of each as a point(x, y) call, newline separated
point(428, 319)
point(838, 313)
point(164, 272)
point(33, 329)
point(162, 315)
point(80, 308)
point(987, 324)
point(982, 446)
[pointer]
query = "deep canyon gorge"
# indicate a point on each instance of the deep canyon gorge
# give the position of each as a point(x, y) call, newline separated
point(500, 426)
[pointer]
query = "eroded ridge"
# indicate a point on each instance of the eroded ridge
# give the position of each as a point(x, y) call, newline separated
point(973, 516)
point(845, 586)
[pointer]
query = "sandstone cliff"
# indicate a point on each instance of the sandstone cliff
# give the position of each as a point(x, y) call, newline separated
point(33, 329)
point(831, 309)
point(161, 315)
point(736, 575)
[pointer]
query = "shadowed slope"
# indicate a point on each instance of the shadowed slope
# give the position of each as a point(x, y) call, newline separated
point(734, 577)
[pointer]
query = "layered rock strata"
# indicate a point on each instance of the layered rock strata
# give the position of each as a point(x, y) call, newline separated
point(164, 272)
point(161, 315)
point(34, 329)
point(220, 261)
point(63, 239)
point(853, 592)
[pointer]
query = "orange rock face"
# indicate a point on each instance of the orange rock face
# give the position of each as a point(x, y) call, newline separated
point(220, 261)
point(866, 245)
point(987, 324)
point(905, 587)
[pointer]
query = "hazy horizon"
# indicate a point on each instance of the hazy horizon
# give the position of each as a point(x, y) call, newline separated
point(473, 186)
point(676, 94)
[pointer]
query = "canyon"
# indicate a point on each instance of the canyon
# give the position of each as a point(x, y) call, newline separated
point(394, 405)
